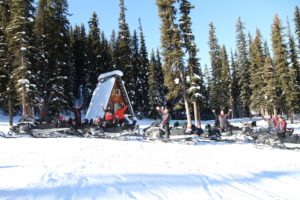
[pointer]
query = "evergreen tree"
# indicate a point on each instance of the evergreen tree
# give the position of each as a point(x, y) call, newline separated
point(135, 82)
point(243, 67)
point(297, 24)
point(123, 53)
point(197, 88)
point(257, 77)
point(173, 57)
point(225, 78)
point(271, 89)
point(293, 65)
point(154, 96)
point(215, 83)
point(94, 53)
point(20, 45)
point(234, 87)
point(113, 50)
point(105, 54)
point(7, 89)
point(54, 73)
point(160, 78)
point(288, 94)
point(79, 52)
point(143, 71)
point(4, 62)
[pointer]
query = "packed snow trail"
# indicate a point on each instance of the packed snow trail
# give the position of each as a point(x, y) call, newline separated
point(81, 168)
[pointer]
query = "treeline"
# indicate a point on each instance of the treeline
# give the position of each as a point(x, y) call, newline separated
point(249, 79)
point(48, 66)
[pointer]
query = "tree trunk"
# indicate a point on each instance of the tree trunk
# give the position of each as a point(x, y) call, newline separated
point(292, 117)
point(10, 111)
point(196, 115)
point(186, 104)
point(44, 109)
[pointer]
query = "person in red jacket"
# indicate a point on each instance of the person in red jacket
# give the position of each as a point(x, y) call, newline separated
point(120, 114)
point(108, 116)
point(281, 127)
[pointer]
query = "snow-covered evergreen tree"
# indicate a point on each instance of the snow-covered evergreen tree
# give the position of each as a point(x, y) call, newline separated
point(154, 96)
point(80, 68)
point(113, 50)
point(20, 44)
point(4, 61)
point(54, 58)
point(105, 54)
point(94, 51)
point(196, 85)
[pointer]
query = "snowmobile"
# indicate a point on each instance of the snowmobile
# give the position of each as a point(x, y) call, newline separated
point(156, 132)
point(27, 125)
point(276, 139)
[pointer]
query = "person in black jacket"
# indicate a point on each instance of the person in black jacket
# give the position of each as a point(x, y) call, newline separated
point(222, 120)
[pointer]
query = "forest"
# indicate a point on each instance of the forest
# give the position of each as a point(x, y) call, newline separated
point(48, 66)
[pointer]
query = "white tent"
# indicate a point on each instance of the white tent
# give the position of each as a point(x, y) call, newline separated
point(102, 94)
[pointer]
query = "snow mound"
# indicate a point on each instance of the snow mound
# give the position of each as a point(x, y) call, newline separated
point(109, 74)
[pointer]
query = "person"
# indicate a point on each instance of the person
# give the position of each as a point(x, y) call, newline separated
point(77, 116)
point(281, 127)
point(108, 116)
point(165, 124)
point(222, 120)
point(195, 130)
point(119, 115)
point(275, 120)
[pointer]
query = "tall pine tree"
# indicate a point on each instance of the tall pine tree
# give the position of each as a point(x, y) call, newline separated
point(20, 45)
point(216, 70)
point(271, 88)
point(297, 24)
point(123, 53)
point(287, 90)
point(234, 87)
point(257, 76)
point(173, 57)
point(243, 64)
point(143, 71)
point(197, 88)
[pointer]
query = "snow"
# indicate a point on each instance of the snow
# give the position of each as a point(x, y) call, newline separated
point(81, 168)
point(23, 81)
point(100, 97)
point(112, 73)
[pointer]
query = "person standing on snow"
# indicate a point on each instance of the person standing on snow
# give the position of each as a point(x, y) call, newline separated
point(108, 116)
point(222, 120)
point(281, 127)
point(120, 114)
point(165, 124)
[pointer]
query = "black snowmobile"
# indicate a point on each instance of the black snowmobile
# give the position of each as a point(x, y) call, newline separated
point(156, 132)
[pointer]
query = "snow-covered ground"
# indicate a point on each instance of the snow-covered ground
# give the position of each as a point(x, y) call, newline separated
point(85, 168)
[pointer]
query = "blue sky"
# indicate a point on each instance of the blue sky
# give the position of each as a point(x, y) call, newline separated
point(224, 14)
